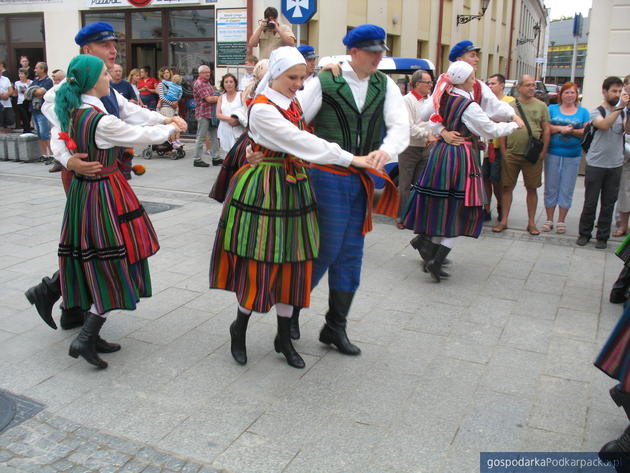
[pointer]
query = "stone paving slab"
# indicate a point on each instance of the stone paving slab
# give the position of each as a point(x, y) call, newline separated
point(499, 357)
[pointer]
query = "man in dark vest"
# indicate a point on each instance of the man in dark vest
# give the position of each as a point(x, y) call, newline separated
point(97, 39)
point(363, 111)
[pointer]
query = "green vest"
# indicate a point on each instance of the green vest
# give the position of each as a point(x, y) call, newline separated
point(339, 120)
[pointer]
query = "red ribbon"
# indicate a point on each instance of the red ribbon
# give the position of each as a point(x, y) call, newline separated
point(436, 118)
point(70, 143)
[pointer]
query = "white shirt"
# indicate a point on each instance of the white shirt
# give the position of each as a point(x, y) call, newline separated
point(5, 85)
point(496, 109)
point(397, 138)
point(112, 131)
point(419, 130)
point(21, 88)
point(270, 129)
point(129, 112)
point(477, 121)
point(244, 82)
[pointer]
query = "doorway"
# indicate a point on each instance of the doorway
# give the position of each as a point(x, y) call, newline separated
point(147, 54)
point(33, 54)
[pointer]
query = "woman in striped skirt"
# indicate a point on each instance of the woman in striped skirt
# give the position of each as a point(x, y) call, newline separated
point(268, 233)
point(106, 236)
point(448, 199)
point(614, 360)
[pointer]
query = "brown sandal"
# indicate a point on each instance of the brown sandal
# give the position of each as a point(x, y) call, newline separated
point(499, 228)
point(532, 230)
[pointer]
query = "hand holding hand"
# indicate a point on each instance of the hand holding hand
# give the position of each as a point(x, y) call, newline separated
point(253, 157)
point(378, 159)
point(361, 162)
point(85, 168)
point(452, 137)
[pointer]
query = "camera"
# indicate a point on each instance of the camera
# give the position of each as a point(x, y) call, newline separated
point(270, 24)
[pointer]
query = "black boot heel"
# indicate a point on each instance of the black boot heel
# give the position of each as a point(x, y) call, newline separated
point(85, 343)
point(282, 344)
point(435, 265)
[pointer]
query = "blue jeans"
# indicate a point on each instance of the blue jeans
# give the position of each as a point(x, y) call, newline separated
point(560, 176)
point(41, 125)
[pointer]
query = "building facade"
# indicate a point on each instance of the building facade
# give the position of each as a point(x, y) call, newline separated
point(560, 52)
point(609, 37)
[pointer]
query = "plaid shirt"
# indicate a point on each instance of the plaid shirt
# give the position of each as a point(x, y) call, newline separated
point(201, 90)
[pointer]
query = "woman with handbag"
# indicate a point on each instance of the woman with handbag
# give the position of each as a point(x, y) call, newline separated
point(268, 234)
point(448, 199)
point(106, 235)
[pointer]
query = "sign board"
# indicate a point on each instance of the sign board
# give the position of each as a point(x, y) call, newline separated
point(298, 11)
point(231, 36)
point(137, 3)
point(540, 60)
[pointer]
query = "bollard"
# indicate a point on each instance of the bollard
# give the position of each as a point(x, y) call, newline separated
point(28, 147)
point(3, 147)
point(12, 146)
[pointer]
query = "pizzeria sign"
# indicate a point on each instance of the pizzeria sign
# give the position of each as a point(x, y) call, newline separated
point(136, 3)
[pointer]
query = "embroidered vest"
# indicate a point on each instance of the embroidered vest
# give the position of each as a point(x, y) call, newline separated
point(340, 121)
point(83, 129)
point(452, 108)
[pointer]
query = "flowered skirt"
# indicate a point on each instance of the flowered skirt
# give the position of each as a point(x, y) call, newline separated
point(267, 237)
point(106, 238)
point(448, 198)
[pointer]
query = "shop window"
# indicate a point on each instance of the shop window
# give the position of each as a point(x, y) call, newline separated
point(146, 25)
point(186, 57)
point(27, 29)
point(3, 31)
point(191, 23)
point(117, 20)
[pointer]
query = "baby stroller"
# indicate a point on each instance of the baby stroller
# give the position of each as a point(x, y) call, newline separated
point(175, 150)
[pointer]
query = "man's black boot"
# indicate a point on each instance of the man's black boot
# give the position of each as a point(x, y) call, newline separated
point(618, 451)
point(72, 318)
point(295, 324)
point(334, 330)
point(44, 296)
point(85, 343)
point(435, 265)
point(238, 329)
point(619, 291)
point(283, 344)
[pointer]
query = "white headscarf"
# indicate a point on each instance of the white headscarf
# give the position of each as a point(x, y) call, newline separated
point(456, 74)
point(281, 59)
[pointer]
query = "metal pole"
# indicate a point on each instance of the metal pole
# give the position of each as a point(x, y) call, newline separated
point(574, 59)
point(299, 28)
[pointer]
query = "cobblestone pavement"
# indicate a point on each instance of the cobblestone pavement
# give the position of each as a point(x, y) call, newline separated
point(498, 358)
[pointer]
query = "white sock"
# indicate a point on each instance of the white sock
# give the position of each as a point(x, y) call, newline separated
point(284, 310)
point(243, 310)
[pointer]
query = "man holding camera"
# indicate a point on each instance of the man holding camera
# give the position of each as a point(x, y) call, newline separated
point(270, 34)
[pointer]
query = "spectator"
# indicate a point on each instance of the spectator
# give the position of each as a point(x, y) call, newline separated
point(491, 167)
point(562, 162)
point(231, 112)
point(119, 84)
point(623, 200)
point(514, 148)
point(412, 161)
point(40, 85)
point(205, 112)
point(147, 87)
point(57, 76)
point(308, 52)
point(133, 78)
point(20, 87)
point(604, 162)
point(270, 34)
point(259, 71)
point(26, 64)
point(250, 63)
point(165, 106)
point(7, 115)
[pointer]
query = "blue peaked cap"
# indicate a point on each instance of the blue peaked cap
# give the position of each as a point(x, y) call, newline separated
point(367, 37)
point(460, 49)
point(307, 51)
point(94, 33)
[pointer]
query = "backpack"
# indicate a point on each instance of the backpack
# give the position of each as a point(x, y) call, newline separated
point(589, 129)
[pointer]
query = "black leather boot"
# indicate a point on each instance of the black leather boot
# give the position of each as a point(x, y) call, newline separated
point(282, 343)
point(44, 296)
point(619, 291)
point(103, 346)
point(426, 248)
point(621, 398)
point(85, 343)
point(618, 451)
point(238, 329)
point(334, 331)
point(295, 324)
point(435, 265)
point(72, 318)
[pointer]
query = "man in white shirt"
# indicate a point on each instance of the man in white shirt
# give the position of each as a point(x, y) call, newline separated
point(308, 52)
point(351, 110)
point(412, 161)
point(250, 62)
point(7, 116)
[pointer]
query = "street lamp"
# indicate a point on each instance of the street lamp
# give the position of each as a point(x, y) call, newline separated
point(530, 40)
point(462, 19)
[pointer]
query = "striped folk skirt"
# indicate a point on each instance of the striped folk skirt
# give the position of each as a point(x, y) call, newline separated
point(448, 198)
point(614, 359)
point(266, 239)
point(106, 238)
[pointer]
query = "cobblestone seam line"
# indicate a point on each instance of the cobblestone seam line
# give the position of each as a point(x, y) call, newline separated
point(52, 444)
